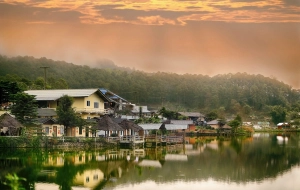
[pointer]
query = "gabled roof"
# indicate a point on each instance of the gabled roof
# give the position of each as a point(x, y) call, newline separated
point(41, 95)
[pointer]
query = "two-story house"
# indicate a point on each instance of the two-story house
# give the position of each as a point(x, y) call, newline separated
point(88, 103)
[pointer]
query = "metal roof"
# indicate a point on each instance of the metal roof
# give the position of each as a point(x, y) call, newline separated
point(181, 122)
point(112, 95)
point(175, 127)
point(191, 114)
point(153, 126)
point(56, 94)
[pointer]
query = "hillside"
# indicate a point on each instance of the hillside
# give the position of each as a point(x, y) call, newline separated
point(226, 94)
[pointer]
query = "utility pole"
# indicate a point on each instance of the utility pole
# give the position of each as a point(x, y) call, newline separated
point(45, 75)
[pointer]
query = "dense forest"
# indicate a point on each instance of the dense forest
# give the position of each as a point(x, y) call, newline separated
point(251, 96)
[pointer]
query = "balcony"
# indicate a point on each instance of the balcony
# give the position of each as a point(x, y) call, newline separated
point(94, 111)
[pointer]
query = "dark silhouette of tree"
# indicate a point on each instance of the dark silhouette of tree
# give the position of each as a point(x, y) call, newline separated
point(278, 114)
point(66, 113)
point(24, 107)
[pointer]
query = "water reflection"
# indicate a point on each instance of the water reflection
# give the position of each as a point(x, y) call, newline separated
point(261, 162)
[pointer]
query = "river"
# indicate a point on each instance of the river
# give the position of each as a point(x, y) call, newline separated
point(261, 162)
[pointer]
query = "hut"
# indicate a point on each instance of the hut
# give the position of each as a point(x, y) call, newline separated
point(107, 127)
point(9, 126)
point(131, 128)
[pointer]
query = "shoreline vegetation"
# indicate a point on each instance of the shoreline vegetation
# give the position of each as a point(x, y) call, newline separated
point(25, 141)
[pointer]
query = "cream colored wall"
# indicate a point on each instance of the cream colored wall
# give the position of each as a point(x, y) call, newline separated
point(78, 103)
point(93, 98)
point(93, 176)
point(52, 104)
point(51, 132)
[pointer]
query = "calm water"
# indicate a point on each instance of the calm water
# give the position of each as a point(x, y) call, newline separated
point(263, 162)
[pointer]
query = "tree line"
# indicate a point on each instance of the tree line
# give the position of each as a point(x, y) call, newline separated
point(251, 96)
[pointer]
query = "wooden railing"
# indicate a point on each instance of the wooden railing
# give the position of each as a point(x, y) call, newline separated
point(94, 110)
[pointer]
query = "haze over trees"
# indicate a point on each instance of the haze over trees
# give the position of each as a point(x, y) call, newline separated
point(250, 96)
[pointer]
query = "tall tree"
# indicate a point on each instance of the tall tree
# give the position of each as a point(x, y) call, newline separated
point(24, 107)
point(66, 113)
point(278, 114)
point(6, 89)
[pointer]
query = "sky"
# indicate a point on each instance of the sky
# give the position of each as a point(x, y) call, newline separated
point(207, 37)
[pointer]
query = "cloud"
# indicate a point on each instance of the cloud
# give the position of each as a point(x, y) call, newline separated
point(133, 11)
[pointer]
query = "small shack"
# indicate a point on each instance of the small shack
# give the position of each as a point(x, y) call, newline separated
point(9, 126)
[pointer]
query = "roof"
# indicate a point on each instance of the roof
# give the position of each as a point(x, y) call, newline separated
point(41, 95)
point(117, 120)
point(46, 112)
point(213, 122)
point(112, 95)
point(152, 126)
point(107, 124)
point(181, 122)
point(191, 114)
point(127, 124)
point(175, 127)
point(6, 120)
point(280, 124)
point(47, 120)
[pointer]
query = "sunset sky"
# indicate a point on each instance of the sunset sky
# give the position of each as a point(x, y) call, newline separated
point(207, 37)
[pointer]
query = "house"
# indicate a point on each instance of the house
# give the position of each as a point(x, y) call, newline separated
point(107, 127)
point(130, 128)
point(283, 125)
point(180, 125)
point(88, 103)
point(194, 116)
point(9, 125)
point(263, 124)
point(46, 113)
point(89, 178)
point(117, 102)
point(137, 110)
point(214, 124)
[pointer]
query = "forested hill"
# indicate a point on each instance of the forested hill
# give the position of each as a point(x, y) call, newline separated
point(230, 93)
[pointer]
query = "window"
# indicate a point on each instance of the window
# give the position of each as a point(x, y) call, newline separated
point(88, 103)
point(87, 179)
point(95, 176)
point(47, 130)
point(96, 104)
point(80, 130)
point(62, 130)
